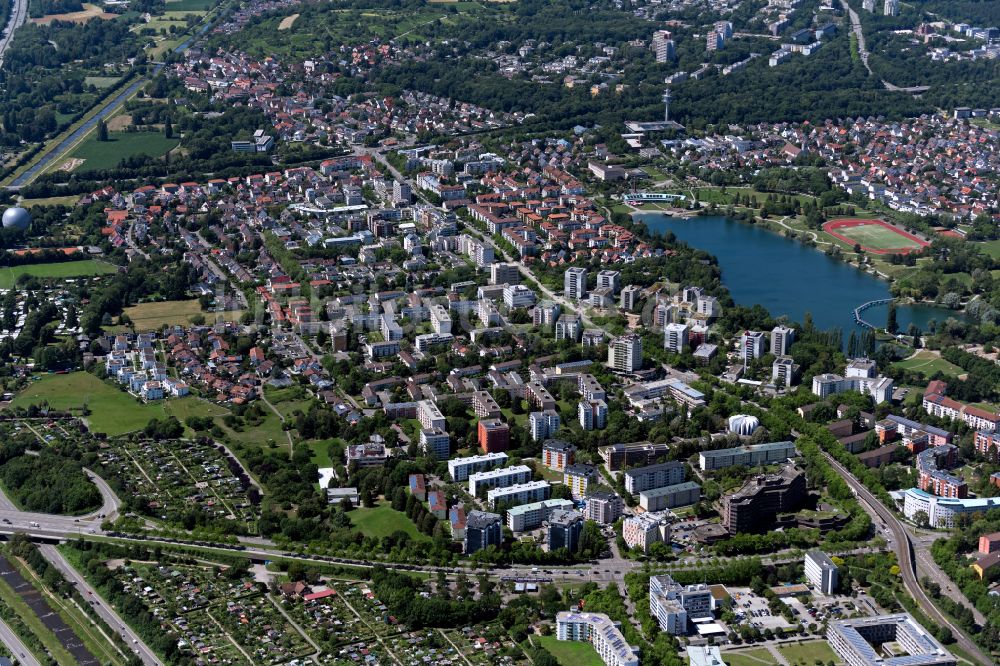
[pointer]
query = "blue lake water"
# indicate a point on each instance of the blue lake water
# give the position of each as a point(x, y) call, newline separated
point(787, 277)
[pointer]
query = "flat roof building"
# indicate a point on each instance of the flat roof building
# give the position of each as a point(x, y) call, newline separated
point(822, 572)
point(857, 642)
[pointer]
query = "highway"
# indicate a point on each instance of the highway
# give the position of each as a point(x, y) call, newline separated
point(16, 647)
point(17, 16)
point(903, 548)
point(103, 609)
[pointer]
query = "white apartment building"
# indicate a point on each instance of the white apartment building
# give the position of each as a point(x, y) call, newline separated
point(625, 353)
point(430, 416)
point(436, 443)
point(782, 338)
point(461, 468)
point(639, 479)
point(518, 296)
point(530, 516)
point(645, 529)
point(522, 493)
point(821, 572)
point(675, 338)
point(575, 283)
point(751, 346)
point(609, 280)
point(593, 414)
point(673, 604)
point(498, 478)
point(440, 319)
point(599, 631)
point(543, 425)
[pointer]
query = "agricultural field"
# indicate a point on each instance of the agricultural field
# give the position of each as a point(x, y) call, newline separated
point(570, 653)
point(58, 271)
point(99, 155)
point(153, 316)
point(383, 520)
point(176, 477)
point(929, 362)
point(88, 12)
point(873, 236)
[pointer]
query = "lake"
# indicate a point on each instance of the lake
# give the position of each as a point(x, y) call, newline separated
point(788, 277)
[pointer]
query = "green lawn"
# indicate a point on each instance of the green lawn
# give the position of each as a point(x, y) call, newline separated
point(808, 653)
point(152, 316)
point(99, 155)
point(188, 5)
point(60, 271)
point(754, 657)
point(877, 237)
point(928, 363)
point(101, 81)
point(383, 520)
point(112, 411)
point(571, 653)
point(991, 248)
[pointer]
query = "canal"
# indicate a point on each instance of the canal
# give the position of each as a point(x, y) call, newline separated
point(788, 277)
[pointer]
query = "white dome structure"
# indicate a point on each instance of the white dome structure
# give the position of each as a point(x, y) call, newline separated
point(743, 425)
point(16, 218)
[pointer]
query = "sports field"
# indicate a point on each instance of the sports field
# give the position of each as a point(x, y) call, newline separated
point(874, 236)
point(59, 271)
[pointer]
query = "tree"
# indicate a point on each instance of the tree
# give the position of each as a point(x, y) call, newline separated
point(102, 130)
point(890, 322)
point(168, 129)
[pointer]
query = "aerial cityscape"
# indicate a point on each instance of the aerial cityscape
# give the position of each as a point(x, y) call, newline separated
point(474, 332)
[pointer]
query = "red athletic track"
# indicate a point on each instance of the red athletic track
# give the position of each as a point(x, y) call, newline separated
point(832, 226)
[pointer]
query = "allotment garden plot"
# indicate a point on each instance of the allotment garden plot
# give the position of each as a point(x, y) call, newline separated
point(218, 615)
point(173, 477)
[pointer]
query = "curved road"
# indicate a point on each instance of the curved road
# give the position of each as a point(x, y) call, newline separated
point(904, 552)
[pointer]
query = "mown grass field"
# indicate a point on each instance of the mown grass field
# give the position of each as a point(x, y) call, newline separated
point(927, 362)
point(571, 653)
point(806, 654)
point(383, 520)
point(59, 271)
point(152, 316)
point(754, 657)
point(98, 155)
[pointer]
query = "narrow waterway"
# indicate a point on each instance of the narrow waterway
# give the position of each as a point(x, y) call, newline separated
point(788, 277)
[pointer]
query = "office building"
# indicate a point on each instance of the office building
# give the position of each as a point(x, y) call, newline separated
point(575, 283)
point(625, 353)
point(543, 425)
point(564, 529)
point(603, 506)
point(498, 478)
point(592, 414)
point(522, 493)
point(643, 530)
point(675, 338)
point(599, 631)
point(762, 498)
point(752, 455)
point(822, 572)
point(944, 511)
point(435, 443)
point(530, 516)
point(879, 388)
point(482, 529)
point(493, 435)
point(782, 338)
point(863, 642)
point(751, 346)
point(673, 604)
point(461, 468)
point(670, 497)
point(578, 478)
point(639, 479)
point(557, 455)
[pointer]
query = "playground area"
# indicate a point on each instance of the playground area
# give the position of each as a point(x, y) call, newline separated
point(874, 236)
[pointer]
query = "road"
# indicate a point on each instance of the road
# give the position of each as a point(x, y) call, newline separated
point(903, 548)
point(102, 608)
point(856, 27)
point(17, 16)
point(16, 647)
